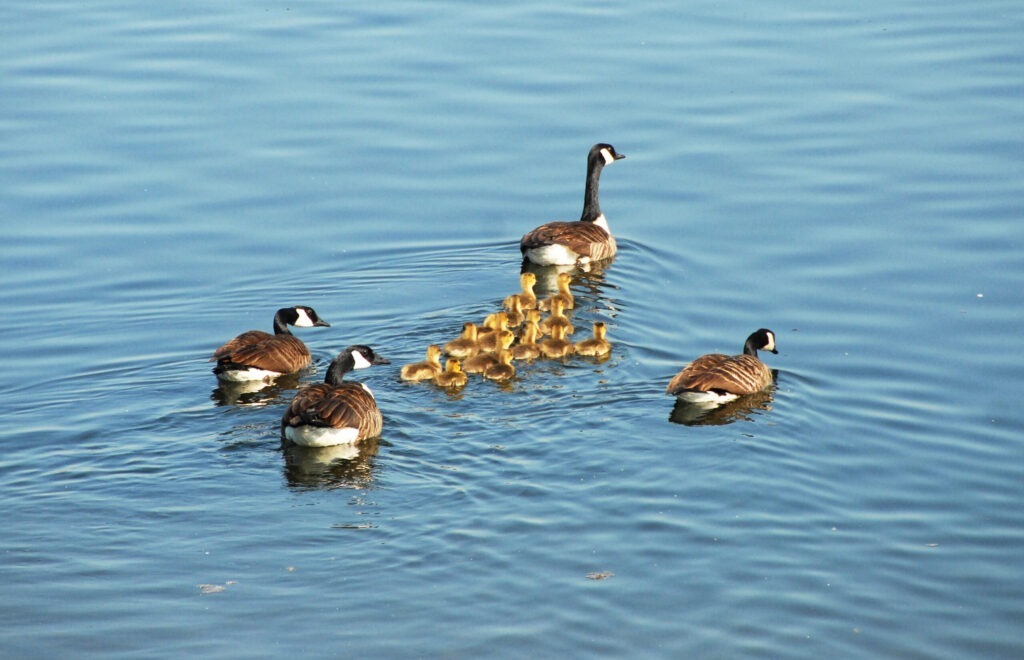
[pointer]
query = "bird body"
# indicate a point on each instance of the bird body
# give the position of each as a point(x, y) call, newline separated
point(425, 370)
point(598, 346)
point(260, 356)
point(336, 411)
point(556, 346)
point(452, 376)
point(581, 242)
point(716, 377)
point(466, 345)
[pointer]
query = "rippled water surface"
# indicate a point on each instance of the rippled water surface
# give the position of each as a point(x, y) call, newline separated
point(849, 175)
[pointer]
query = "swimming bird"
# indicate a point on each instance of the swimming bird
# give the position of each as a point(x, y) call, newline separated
point(489, 337)
point(503, 369)
point(557, 319)
point(425, 370)
point(482, 360)
point(564, 294)
point(452, 376)
point(589, 239)
point(256, 355)
point(718, 378)
point(514, 311)
point(335, 412)
point(556, 346)
point(533, 318)
point(527, 348)
point(598, 346)
point(527, 298)
point(466, 345)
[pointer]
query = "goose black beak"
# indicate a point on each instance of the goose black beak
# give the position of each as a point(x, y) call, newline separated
point(320, 323)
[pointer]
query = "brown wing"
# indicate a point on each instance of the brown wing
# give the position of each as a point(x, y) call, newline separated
point(738, 374)
point(584, 238)
point(347, 405)
point(244, 339)
point(281, 353)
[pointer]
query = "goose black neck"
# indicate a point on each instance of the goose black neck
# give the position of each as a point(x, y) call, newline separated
point(750, 348)
point(339, 367)
point(280, 324)
point(591, 206)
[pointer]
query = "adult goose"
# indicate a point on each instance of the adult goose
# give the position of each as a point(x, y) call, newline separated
point(336, 411)
point(581, 242)
point(717, 378)
point(257, 355)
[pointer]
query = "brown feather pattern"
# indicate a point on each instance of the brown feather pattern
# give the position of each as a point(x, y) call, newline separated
point(584, 238)
point(279, 353)
point(736, 374)
point(345, 405)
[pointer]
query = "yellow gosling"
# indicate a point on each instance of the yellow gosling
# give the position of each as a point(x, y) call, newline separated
point(452, 376)
point(503, 370)
point(466, 345)
point(556, 346)
point(564, 294)
point(527, 298)
point(598, 346)
point(527, 348)
point(425, 370)
point(557, 319)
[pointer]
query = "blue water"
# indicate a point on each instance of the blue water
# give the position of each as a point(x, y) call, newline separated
point(851, 176)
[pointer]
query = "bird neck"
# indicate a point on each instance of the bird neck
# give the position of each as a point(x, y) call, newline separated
point(591, 206)
point(280, 324)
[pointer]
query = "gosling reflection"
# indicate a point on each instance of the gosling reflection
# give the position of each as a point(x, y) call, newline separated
point(745, 408)
point(327, 468)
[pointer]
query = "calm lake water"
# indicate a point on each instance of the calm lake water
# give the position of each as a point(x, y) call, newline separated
point(849, 175)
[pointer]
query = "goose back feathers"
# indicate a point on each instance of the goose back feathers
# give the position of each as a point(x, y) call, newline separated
point(718, 377)
point(336, 411)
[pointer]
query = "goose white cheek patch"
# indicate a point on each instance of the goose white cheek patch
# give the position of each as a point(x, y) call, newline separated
point(608, 157)
point(303, 321)
point(359, 361)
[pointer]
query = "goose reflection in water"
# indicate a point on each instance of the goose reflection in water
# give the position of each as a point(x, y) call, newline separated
point(710, 414)
point(328, 468)
point(590, 277)
point(254, 393)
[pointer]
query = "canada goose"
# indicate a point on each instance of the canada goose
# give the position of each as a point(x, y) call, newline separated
point(489, 337)
point(466, 345)
point(557, 319)
point(337, 411)
point(482, 360)
point(564, 294)
point(425, 370)
point(452, 376)
point(527, 348)
point(527, 298)
point(589, 239)
point(720, 378)
point(598, 346)
point(258, 355)
point(503, 369)
point(556, 346)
